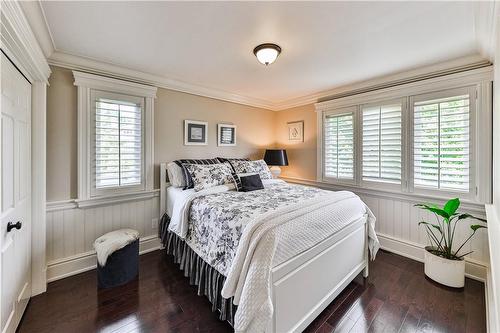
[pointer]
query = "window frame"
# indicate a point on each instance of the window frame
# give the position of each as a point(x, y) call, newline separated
point(88, 85)
point(339, 112)
point(120, 189)
point(471, 91)
point(479, 81)
point(373, 184)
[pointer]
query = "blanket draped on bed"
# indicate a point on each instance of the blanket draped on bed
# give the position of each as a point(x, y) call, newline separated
point(243, 236)
point(249, 279)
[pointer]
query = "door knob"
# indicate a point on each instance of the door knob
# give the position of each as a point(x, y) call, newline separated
point(16, 225)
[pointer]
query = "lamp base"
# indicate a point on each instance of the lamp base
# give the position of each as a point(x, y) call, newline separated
point(275, 171)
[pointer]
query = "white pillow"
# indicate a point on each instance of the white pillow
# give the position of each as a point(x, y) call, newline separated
point(175, 175)
point(209, 175)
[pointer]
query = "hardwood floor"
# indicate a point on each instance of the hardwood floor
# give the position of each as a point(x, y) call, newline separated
point(395, 298)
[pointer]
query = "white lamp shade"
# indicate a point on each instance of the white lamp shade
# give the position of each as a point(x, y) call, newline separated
point(267, 56)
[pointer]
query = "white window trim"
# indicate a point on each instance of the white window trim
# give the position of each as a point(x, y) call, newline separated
point(86, 84)
point(481, 174)
point(346, 110)
point(371, 184)
point(471, 91)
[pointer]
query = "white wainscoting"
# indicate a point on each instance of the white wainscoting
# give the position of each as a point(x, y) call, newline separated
point(71, 231)
point(398, 230)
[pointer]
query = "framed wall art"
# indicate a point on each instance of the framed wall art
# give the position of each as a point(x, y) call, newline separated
point(226, 135)
point(296, 131)
point(195, 133)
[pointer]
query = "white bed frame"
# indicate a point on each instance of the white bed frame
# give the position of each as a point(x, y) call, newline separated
point(305, 285)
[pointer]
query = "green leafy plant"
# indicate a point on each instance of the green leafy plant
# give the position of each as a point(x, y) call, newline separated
point(442, 233)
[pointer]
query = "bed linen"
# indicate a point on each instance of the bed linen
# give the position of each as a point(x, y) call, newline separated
point(244, 235)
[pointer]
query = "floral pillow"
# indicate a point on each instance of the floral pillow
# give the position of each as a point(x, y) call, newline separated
point(209, 175)
point(259, 167)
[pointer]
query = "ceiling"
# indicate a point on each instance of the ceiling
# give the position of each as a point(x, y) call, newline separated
point(209, 44)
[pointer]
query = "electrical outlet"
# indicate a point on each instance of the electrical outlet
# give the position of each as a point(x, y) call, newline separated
point(154, 223)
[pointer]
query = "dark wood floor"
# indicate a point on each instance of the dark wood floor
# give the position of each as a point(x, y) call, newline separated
point(395, 298)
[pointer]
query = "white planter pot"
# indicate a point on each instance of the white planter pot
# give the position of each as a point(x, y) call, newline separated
point(451, 273)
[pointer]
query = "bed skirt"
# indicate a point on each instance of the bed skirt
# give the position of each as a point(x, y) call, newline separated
point(208, 280)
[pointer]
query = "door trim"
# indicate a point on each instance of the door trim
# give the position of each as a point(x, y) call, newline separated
point(22, 48)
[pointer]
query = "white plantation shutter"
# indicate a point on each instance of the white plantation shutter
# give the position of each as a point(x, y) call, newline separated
point(381, 136)
point(118, 143)
point(441, 152)
point(339, 146)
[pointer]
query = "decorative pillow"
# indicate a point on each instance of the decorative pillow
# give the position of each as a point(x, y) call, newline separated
point(210, 175)
point(258, 166)
point(175, 175)
point(251, 183)
point(228, 160)
point(187, 176)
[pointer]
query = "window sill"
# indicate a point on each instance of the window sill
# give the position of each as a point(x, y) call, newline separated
point(467, 205)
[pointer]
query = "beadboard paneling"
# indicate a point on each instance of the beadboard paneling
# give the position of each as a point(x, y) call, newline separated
point(397, 219)
point(71, 231)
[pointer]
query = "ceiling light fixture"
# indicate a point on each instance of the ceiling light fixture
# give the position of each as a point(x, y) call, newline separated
point(267, 53)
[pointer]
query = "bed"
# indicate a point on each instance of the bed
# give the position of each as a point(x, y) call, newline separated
point(269, 260)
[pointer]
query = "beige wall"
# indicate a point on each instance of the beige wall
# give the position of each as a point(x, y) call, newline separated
point(255, 131)
point(301, 155)
point(61, 136)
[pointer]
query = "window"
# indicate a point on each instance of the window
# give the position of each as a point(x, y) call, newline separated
point(339, 146)
point(382, 142)
point(117, 141)
point(115, 138)
point(441, 141)
point(429, 138)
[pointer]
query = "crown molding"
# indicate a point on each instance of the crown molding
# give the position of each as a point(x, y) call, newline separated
point(35, 15)
point(92, 66)
point(20, 44)
point(440, 69)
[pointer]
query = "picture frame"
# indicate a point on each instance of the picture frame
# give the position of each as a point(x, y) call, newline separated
point(195, 133)
point(296, 131)
point(226, 135)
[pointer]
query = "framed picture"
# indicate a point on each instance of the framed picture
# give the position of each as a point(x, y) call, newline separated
point(226, 135)
point(296, 131)
point(195, 133)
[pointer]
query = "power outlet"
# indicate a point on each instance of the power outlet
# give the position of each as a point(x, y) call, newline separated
point(154, 223)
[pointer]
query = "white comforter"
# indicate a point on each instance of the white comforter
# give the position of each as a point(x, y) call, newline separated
point(272, 238)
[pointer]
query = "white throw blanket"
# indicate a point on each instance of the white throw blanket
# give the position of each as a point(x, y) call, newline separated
point(108, 243)
point(249, 279)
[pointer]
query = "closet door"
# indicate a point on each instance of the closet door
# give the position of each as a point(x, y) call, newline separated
point(15, 199)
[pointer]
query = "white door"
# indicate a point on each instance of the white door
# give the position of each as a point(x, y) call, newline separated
point(15, 199)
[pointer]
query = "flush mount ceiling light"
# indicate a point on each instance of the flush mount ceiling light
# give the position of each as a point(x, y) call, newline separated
point(267, 53)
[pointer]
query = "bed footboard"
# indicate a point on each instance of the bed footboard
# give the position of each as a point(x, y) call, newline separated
point(305, 285)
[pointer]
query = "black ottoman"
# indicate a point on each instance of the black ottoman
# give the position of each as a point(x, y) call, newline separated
point(121, 267)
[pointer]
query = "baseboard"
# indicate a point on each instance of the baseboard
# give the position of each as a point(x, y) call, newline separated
point(473, 269)
point(62, 268)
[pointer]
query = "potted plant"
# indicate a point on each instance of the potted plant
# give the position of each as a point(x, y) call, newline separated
point(444, 262)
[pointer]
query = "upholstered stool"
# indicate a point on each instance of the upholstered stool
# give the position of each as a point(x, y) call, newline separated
point(117, 257)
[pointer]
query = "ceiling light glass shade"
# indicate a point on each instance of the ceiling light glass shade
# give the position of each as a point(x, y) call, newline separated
point(267, 53)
